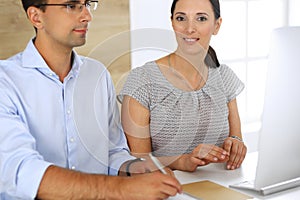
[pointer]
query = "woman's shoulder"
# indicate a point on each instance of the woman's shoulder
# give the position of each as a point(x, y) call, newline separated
point(147, 66)
point(222, 70)
point(148, 69)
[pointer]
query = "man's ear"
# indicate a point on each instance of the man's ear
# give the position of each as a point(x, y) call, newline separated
point(217, 25)
point(34, 16)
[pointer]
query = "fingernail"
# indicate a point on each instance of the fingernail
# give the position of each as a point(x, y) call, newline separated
point(215, 159)
point(228, 166)
point(222, 156)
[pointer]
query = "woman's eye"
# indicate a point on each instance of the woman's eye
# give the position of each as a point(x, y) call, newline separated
point(202, 18)
point(179, 18)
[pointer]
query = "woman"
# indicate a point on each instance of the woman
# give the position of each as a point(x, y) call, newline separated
point(183, 107)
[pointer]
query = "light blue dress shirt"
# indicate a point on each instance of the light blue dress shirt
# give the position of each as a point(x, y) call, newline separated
point(74, 124)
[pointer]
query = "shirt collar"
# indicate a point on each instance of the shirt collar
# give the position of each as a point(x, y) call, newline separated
point(31, 58)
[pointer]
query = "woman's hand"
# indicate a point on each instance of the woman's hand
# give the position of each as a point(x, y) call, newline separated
point(237, 150)
point(208, 153)
point(202, 155)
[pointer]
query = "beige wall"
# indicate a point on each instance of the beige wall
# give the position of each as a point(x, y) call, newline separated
point(108, 37)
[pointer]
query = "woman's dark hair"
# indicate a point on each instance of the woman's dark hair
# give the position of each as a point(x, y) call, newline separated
point(211, 58)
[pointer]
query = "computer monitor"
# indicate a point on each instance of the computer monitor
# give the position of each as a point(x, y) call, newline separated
point(278, 166)
point(279, 143)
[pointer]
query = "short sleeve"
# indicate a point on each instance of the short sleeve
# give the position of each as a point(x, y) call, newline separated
point(232, 84)
point(137, 86)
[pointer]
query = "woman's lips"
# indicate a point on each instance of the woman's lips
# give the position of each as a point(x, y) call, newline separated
point(191, 39)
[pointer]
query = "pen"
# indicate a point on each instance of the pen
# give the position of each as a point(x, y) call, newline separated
point(157, 163)
point(160, 166)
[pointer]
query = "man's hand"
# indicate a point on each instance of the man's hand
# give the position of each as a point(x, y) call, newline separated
point(150, 186)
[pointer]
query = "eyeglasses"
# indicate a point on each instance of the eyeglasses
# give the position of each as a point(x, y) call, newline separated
point(74, 7)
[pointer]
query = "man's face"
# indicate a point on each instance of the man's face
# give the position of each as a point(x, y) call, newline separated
point(65, 25)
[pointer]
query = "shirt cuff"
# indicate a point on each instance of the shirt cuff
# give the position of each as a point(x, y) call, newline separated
point(117, 160)
point(29, 178)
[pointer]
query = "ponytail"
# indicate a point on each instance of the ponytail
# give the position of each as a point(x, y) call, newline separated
point(211, 59)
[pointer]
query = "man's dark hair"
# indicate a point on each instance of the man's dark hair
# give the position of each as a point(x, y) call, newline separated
point(27, 3)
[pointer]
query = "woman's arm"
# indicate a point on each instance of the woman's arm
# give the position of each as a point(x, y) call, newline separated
point(136, 122)
point(234, 119)
point(234, 143)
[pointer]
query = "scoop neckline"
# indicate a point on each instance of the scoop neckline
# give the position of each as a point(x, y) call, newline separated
point(178, 89)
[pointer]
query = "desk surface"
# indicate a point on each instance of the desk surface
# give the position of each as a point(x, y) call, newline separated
point(218, 174)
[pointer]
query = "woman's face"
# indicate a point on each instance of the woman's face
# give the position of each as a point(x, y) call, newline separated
point(194, 23)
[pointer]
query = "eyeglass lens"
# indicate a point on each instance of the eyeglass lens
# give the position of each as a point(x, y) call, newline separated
point(78, 7)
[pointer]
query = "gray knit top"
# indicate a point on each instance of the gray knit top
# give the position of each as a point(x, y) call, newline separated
point(180, 120)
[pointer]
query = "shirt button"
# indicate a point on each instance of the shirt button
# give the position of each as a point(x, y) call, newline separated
point(68, 112)
point(72, 140)
point(73, 167)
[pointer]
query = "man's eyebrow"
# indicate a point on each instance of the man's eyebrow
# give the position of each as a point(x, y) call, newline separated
point(73, 1)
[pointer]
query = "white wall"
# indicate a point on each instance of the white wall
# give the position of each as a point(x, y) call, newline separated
point(294, 19)
point(151, 30)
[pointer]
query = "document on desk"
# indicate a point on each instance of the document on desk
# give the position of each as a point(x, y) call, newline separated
point(183, 196)
point(208, 190)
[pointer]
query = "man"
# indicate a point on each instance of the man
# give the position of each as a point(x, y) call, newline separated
point(60, 139)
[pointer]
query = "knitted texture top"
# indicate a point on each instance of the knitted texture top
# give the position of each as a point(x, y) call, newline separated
point(181, 120)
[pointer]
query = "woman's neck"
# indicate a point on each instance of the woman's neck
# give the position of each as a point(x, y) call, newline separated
point(190, 68)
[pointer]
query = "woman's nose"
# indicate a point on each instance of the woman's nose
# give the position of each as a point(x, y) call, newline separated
point(190, 27)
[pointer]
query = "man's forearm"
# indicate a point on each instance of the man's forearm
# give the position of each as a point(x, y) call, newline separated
point(60, 183)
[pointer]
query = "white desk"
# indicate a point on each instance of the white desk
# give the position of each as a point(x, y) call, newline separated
point(218, 174)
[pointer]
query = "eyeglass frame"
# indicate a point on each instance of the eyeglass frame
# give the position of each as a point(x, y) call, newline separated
point(85, 4)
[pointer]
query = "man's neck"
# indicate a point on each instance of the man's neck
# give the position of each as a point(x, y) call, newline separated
point(57, 57)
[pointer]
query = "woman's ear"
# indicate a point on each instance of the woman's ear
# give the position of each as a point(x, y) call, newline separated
point(34, 16)
point(217, 25)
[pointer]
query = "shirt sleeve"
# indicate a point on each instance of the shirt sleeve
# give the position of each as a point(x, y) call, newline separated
point(232, 84)
point(118, 148)
point(20, 163)
point(137, 86)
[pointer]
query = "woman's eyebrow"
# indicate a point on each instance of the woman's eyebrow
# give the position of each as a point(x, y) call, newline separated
point(179, 13)
point(199, 13)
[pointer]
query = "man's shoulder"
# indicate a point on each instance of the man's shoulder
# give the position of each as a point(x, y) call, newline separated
point(12, 61)
point(89, 59)
point(91, 62)
point(93, 67)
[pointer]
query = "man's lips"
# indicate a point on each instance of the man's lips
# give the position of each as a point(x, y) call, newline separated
point(84, 30)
